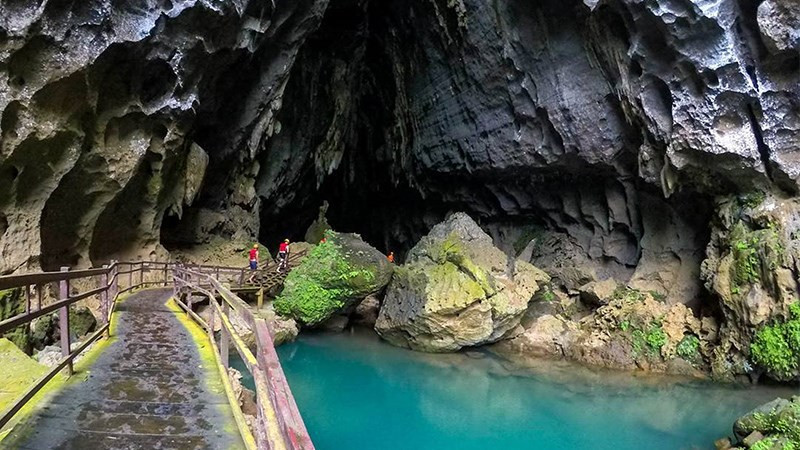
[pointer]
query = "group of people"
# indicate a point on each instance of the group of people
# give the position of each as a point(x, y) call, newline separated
point(283, 257)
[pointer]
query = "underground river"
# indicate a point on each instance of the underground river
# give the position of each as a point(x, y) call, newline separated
point(356, 392)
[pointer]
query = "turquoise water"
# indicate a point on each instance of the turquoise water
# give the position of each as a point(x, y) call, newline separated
point(356, 392)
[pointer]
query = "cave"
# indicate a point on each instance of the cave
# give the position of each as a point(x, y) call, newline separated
point(609, 182)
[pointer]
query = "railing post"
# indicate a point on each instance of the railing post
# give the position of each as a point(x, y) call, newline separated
point(141, 273)
point(211, 315)
point(63, 320)
point(260, 297)
point(241, 278)
point(166, 274)
point(224, 339)
point(130, 275)
point(39, 296)
point(27, 299)
point(104, 295)
point(115, 280)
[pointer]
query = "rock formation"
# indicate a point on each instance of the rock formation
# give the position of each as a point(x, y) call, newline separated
point(456, 290)
point(774, 425)
point(596, 138)
point(334, 277)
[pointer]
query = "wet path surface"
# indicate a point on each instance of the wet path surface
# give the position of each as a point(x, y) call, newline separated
point(150, 389)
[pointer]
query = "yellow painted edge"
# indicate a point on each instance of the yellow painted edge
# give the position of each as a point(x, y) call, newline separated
point(238, 415)
point(199, 335)
point(60, 381)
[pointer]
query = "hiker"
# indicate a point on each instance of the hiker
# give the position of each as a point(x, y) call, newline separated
point(283, 255)
point(390, 257)
point(253, 262)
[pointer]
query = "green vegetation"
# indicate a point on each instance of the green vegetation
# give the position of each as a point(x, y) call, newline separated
point(660, 296)
point(548, 295)
point(651, 339)
point(688, 347)
point(751, 199)
point(781, 424)
point(777, 347)
point(323, 284)
point(529, 233)
point(12, 303)
point(656, 337)
point(629, 295)
point(753, 251)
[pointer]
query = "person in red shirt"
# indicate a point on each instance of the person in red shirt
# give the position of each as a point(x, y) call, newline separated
point(283, 255)
point(253, 261)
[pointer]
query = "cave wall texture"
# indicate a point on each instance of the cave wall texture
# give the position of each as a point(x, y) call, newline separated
point(604, 127)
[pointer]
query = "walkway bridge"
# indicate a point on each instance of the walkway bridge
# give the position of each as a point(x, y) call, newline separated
point(160, 377)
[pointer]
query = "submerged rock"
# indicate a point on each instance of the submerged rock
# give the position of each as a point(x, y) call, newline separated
point(456, 290)
point(333, 277)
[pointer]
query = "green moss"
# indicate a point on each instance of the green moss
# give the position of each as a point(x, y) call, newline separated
point(12, 303)
point(660, 296)
point(754, 252)
point(776, 347)
point(688, 347)
point(764, 444)
point(322, 284)
point(529, 233)
point(751, 199)
point(780, 424)
point(629, 295)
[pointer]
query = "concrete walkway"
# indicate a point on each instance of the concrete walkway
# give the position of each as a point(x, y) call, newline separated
point(151, 388)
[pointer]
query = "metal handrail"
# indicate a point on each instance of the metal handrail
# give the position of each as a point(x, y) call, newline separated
point(109, 290)
point(273, 394)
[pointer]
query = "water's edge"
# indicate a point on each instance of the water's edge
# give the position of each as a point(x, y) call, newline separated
point(357, 392)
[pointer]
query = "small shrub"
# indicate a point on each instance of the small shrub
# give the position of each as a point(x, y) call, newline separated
point(629, 295)
point(688, 347)
point(777, 347)
point(548, 295)
point(625, 325)
point(656, 337)
point(638, 341)
point(752, 199)
point(660, 296)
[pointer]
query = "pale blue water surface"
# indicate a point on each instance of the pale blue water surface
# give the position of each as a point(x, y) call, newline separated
point(356, 392)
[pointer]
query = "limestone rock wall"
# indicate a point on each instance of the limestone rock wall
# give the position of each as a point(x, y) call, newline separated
point(103, 108)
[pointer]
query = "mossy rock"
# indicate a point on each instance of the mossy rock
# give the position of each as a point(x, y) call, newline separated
point(18, 372)
point(455, 291)
point(334, 276)
point(776, 421)
point(46, 329)
point(81, 321)
point(12, 303)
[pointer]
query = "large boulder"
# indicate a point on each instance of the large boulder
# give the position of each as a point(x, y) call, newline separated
point(456, 290)
point(335, 276)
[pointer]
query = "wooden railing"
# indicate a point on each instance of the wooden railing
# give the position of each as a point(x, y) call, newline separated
point(113, 280)
point(279, 424)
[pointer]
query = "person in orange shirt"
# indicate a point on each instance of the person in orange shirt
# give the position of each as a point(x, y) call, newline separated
point(390, 257)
